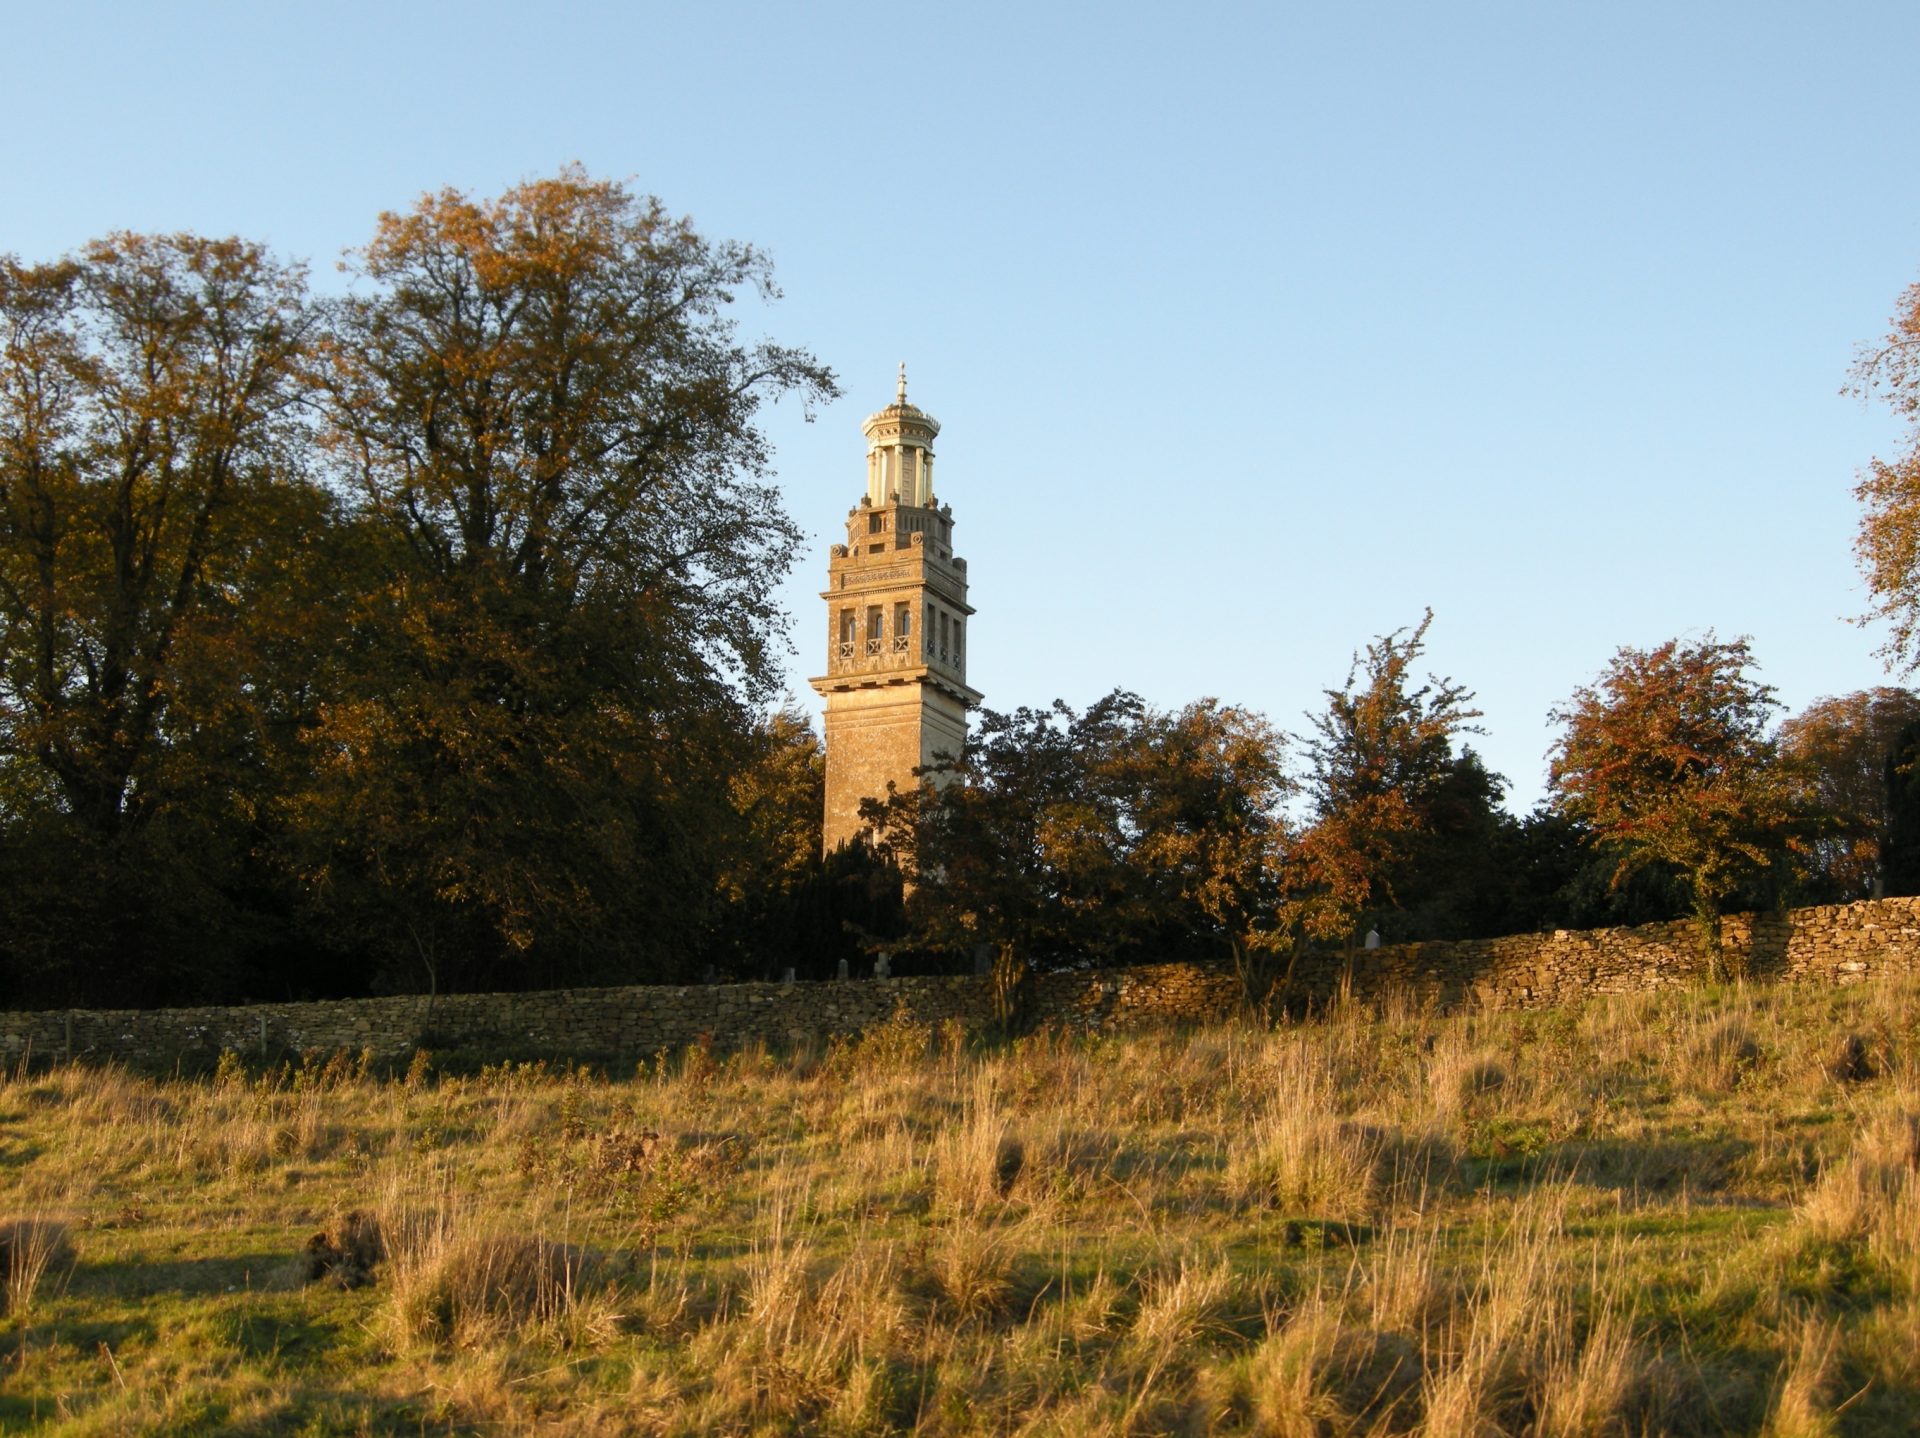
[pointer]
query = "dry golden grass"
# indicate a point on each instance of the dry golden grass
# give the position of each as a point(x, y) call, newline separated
point(32, 1250)
point(1682, 1212)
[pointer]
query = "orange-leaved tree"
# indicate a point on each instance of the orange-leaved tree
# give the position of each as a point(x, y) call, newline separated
point(551, 430)
point(1839, 751)
point(1378, 755)
point(1887, 545)
point(1667, 759)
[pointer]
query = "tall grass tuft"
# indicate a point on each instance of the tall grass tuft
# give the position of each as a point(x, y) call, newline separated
point(1460, 1079)
point(32, 1250)
point(977, 1160)
point(1802, 1405)
point(1321, 1375)
point(1719, 1052)
point(1299, 1155)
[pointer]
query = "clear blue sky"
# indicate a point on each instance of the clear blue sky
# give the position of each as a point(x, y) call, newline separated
point(1253, 329)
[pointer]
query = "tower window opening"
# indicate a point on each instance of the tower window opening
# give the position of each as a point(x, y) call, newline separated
point(902, 628)
point(876, 522)
point(875, 632)
point(943, 634)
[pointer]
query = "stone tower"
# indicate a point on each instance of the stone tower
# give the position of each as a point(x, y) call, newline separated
point(896, 680)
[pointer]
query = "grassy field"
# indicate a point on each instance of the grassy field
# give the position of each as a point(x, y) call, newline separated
point(1692, 1212)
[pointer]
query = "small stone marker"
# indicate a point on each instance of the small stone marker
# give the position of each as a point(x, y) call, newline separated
point(883, 967)
point(1373, 938)
point(843, 969)
point(787, 978)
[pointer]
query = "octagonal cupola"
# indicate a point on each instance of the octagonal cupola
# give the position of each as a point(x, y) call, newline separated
point(900, 452)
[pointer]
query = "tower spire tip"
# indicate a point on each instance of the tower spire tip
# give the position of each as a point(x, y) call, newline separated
point(900, 395)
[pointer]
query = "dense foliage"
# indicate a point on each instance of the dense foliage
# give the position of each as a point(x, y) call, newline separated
point(1668, 758)
point(408, 640)
point(424, 639)
point(1124, 833)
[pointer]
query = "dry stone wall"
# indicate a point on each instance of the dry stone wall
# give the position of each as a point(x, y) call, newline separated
point(1835, 944)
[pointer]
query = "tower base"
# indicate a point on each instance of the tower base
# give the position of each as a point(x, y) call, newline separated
point(878, 733)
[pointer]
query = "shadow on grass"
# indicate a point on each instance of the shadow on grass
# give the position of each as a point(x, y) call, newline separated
point(281, 1340)
point(272, 1271)
point(1321, 1234)
point(1654, 1168)
point(87, 1335)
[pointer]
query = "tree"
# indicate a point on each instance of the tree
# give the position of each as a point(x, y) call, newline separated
point(548, 426)
point(1838, 751)
point(1561, 877)
point(148, 403)
point(1459, 873)
point(771, 863)
point(155, 521)
point(1114, 834)
point(1206, 787)
point(1380, 758)
point(1667, 759)
point(1008, 847)
point(1887, 544)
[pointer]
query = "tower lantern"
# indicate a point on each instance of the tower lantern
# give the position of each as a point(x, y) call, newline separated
point(896, 681)
point(900, 452)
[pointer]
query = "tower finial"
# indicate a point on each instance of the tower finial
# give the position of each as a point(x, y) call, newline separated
point(900, 396)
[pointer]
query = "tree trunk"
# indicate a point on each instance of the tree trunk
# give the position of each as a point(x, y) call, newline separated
point(1010, 987)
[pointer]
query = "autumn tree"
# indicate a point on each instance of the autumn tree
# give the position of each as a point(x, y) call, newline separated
point(1667, 759)
point(1887, 544)
point(154, 514)
point(1012, 851)
point(1115, 833)
point(1205, 788)
point(547, 423)
point(1838, 752)
point(1380, 758)
point(147, 398)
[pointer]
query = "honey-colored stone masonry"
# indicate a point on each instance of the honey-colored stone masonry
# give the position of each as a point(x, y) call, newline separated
point(1834, 944)
point(895, 685)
